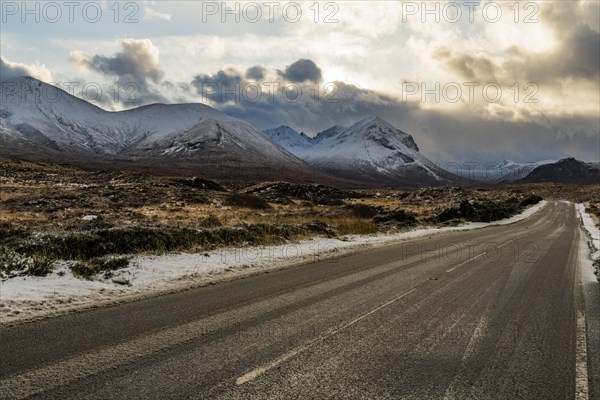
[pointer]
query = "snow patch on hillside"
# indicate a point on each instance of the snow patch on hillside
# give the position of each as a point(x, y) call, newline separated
point(493, 172)
point(289, 139)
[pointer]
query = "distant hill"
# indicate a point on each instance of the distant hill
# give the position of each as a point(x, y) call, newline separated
point(495, 172)
point(568, 170)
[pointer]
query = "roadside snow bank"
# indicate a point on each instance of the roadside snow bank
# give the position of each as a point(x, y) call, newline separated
point(593, 236)
point(24, 298)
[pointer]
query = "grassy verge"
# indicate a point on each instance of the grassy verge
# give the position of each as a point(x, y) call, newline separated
point(14, 264)
point(84, 246)
point(88, 269)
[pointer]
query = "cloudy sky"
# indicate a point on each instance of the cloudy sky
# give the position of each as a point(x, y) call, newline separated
point(470, 80)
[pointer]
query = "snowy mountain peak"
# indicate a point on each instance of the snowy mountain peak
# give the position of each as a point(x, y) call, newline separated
point(376, 129)
point(289, 139)
point(47, 114)
point(370, 150)
point(37, 115)
point(373, 118)
point(507, 163)
point(26, 82)
point(333, 131)
point(282, 131)
point(29, 93)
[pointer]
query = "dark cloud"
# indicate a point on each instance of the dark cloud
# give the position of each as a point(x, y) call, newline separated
point(467, 66)
point(302, 70)
point(472, 136)
point(584, 47)
point(305, 104)
point(136, 67)
point(565, 15)
point(576, 56)
point(225, 85)
point(139, 58)
point(256, 73)
point(312, 106)
point(344, 106)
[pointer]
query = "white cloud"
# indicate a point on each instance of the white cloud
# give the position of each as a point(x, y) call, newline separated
point(152, 15)
point(10, 70)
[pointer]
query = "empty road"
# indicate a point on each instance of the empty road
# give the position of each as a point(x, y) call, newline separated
point(494, 313)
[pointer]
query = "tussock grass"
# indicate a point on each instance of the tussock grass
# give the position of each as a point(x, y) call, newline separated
point(328, 201)
point(85, 246)
point(396, 217)
point(99, 265)
point(485, 210)
point(9, 231)
point(15, 264)
point(354, 226)
point(211, 221)
point(360, 210)
point(530, 200)
point(247, 200)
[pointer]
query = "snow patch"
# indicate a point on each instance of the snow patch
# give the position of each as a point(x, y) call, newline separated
point(592, 233)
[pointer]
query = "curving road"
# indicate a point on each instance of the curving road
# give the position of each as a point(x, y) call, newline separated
point(494, 313)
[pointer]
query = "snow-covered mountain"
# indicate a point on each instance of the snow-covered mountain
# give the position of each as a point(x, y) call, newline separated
point(327, 133)
point(36, 116)
point(495, 172)
point(289, 139)
point(295, 141)
point(372, 150)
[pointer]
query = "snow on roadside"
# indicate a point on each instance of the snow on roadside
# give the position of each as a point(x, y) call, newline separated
point(25, 298)
point(593, 234)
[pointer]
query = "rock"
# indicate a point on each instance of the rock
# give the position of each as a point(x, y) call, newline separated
point(121, 280)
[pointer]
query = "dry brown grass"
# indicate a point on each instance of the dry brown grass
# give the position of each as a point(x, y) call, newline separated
point(351, 225)
point(26, 216)
point(66, 194)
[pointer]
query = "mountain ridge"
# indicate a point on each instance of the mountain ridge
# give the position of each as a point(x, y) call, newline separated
point(566, 170)
point(193, 137)
point(371, 149)
point(174, 137)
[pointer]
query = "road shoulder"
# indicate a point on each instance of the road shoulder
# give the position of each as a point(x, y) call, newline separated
point(591, 293)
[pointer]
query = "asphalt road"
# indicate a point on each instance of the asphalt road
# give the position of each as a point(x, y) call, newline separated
point(494, 313)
